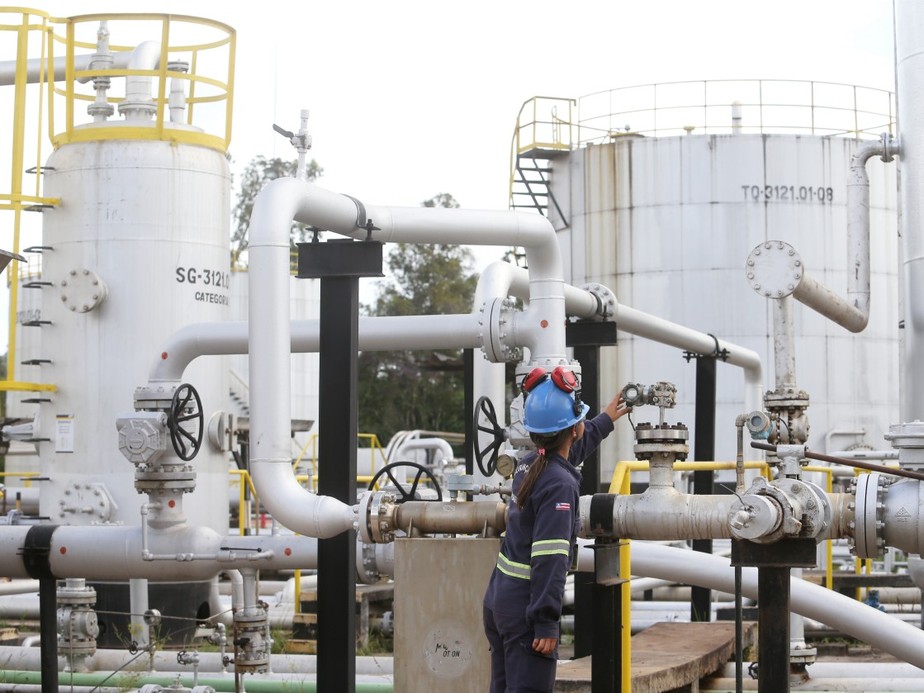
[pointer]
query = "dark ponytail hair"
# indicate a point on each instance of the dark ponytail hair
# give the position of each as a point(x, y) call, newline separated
point(547, 443)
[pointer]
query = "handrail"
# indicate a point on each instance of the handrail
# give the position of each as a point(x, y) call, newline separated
point(621, 484)
point(828, 109)
point(45, 50)
point(374, 445)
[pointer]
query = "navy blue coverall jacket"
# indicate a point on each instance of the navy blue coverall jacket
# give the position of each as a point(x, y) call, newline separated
point(539, 545)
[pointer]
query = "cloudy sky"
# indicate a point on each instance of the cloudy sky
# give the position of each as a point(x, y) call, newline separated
point(410, 98)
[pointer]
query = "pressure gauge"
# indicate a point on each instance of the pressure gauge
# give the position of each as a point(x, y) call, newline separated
point(506, 464)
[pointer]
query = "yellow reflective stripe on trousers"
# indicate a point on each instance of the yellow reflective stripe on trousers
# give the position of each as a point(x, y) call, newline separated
point(551, 547)
point(512, 568)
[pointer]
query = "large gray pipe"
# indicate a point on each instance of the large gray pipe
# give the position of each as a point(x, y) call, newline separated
point(832, 608)
point(909, 78)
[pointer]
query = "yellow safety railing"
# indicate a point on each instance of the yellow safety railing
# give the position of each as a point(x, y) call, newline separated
point(544, 122)
point(310, 448)
point(50, 50)
point(25, 476)
point(245, 481)
point(620, 483)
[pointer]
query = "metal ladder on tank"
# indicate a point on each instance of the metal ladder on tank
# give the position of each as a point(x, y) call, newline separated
point(541, 136)
point(543, 133)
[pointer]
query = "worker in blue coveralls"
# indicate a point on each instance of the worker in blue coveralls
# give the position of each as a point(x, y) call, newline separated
point(522, 605)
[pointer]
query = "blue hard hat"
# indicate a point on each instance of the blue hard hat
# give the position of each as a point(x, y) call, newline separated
point(549, 409)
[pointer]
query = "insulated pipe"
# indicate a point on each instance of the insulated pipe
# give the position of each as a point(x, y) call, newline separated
point(664, 513)
point(658, 513)
point(436, 444)
point(27, 659)
point(19, 587)
point(288, 199)
point(584, 304)
point(138, 605)
point(268, 683)
point(269, 346)
point(832, 608)
point(665, 332)
point(784, 347)
point(138, 102)
point(35, 66)
point(375, 334)
point(451, 518)
point(852, 313)
point(541, 327)
point(115, 552)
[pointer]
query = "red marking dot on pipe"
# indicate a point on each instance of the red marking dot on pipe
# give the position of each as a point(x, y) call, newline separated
point(163, 355)
point(544, 324)
point(171, 504)
point(288, 552)
point(63, 550)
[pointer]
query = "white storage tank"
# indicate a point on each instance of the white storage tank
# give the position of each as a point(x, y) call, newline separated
point(139, 249)
point(667, 218)
point(134, 246)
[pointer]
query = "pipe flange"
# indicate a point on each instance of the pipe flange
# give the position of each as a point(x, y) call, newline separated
point(756, 502)
point(867, 540)
point(787, 398)
point(669, 438)
point(645, 451)
point(754, 517)
point(817, 513)
point(606, 300)
point(366, 564)
point(665, 433)
point(774, 269)
point(82, 290)
point(155, 397)
point(378, 509)
point(499, 321)
point(148, 481)
point(70, 595)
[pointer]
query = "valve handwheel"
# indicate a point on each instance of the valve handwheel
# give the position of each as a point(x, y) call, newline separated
point(484, 407)
point(406, 494)
point(185, 422)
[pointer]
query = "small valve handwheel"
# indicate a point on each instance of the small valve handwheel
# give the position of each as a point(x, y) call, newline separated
point(407, 494)
point(486, 456)
point(185, 422)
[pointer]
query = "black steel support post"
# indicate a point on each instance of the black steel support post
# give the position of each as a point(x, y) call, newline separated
point(48, 633)
point(338, 264)
point(586, 338)
point(703, 451)
point(773, 562)
point(468, 364)
point(606, 662)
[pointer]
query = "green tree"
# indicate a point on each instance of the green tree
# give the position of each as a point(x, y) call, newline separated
point(257, 174)
point(407, 390)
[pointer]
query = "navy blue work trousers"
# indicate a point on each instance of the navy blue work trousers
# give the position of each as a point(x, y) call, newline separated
point(515, 666)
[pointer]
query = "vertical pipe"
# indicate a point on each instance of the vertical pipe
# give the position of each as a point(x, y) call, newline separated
point(48, 627)
point(338, 429)
point(784, 352)
point(704, 451)
point(138, 604)
point(909, 73)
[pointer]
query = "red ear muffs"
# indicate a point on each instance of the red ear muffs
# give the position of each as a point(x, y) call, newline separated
point(533, 378)
point(565, 379)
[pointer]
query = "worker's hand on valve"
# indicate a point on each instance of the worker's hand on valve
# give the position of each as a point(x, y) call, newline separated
point(545, 646)
point(617, 408)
